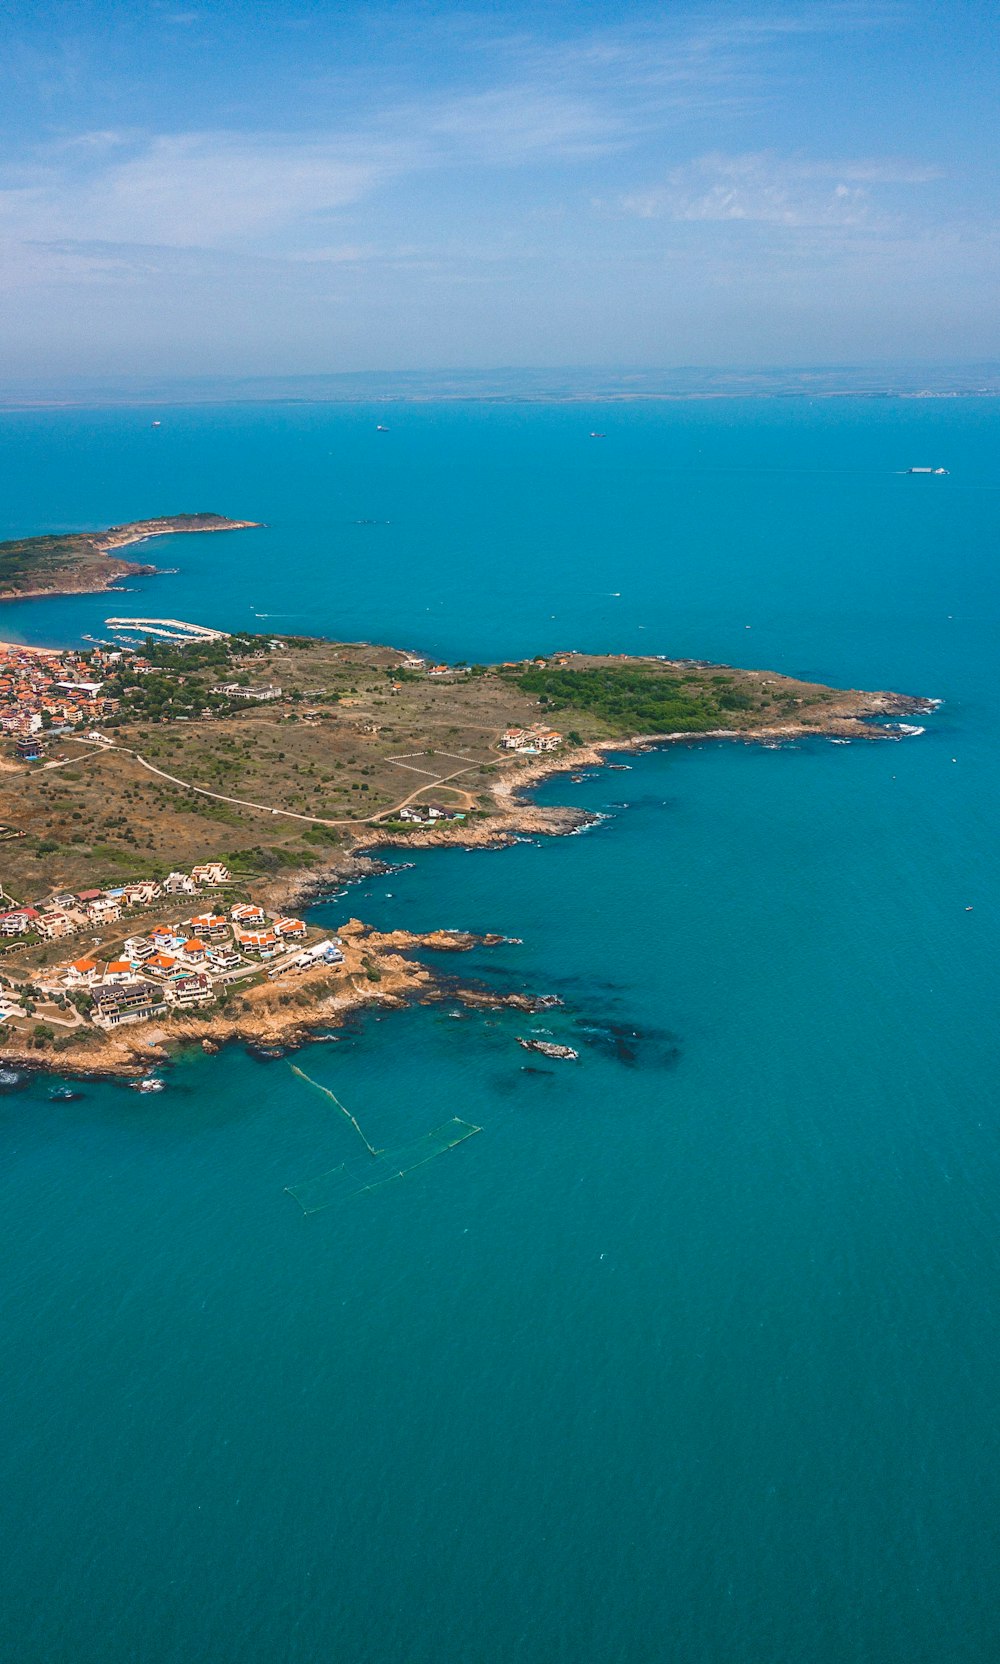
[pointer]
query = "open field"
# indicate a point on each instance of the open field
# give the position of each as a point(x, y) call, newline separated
point(351, 741)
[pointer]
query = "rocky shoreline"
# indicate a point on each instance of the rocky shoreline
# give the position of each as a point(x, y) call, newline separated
point(78, 574)
point(274, 1016)
point(514, 816)
point(113, 574)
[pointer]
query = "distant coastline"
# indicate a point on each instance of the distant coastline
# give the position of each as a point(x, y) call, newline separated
point(586, 385)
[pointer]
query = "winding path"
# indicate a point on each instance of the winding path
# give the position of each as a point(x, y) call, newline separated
point(266, 808)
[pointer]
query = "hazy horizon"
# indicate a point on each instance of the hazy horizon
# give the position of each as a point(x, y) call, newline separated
point(213, 189)
point(523, 383)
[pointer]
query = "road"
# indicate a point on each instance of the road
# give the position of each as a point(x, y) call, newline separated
point(288, 814)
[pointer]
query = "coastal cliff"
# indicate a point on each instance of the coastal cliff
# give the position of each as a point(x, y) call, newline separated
point(78, 563)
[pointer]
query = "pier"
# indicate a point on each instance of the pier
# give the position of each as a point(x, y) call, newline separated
point(167, 629)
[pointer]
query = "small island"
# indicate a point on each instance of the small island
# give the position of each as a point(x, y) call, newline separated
point(171, 805)
point(75, 563)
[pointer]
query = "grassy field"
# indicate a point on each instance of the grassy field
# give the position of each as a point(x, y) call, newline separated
point(341, 746)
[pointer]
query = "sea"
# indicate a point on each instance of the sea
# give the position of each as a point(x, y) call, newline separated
point(690, 1355)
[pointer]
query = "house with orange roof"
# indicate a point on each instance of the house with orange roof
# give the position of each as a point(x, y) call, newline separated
point(211, 926)
point(291, 929)
point(166, 939)
point(82, 973)
point(263, 942)
point(248, 914)
point(161, 965)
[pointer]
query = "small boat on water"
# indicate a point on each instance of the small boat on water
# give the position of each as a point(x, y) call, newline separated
point(598, 436)
point(381, 428)
point(937, 471)
point(64, 1095)
point(155, 424)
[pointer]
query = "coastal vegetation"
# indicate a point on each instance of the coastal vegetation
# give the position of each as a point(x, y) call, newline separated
point(348, 741)
point(641, 699)
point(284, 760)
point(75, 562)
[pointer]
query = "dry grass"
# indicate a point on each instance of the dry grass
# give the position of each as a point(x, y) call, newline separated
point(100, 816)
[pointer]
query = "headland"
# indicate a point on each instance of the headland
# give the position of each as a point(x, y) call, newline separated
point(170, 807)
point(78, 563)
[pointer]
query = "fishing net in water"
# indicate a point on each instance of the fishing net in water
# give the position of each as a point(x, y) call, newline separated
point(358, 1177)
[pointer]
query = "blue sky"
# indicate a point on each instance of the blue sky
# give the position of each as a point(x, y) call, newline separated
point(296, 188)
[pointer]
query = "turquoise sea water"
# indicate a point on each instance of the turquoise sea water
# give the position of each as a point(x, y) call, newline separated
point(692, 1353)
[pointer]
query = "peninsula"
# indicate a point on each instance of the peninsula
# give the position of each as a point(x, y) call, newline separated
point(169, 806)
point(74, 563)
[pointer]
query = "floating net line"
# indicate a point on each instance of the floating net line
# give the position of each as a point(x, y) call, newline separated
point(359, 1177)
point(328, 1094)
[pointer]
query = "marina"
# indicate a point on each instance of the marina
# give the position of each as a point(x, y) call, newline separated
point(166, 629)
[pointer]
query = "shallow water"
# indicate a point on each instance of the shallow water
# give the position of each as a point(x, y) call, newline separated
point(691, 1352)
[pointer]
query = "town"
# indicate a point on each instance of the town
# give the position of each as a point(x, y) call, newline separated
point(48, 693)
point(187, 963)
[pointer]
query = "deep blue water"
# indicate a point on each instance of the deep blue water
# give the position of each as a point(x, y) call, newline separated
point(691, 1354)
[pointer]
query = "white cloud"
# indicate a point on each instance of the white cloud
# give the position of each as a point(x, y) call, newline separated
point(514, 124)
point(770, 189)
point(200, 189)
point(208, 188)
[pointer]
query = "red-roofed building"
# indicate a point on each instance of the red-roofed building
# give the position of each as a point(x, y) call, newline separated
point(264, 942)
point(18, 922)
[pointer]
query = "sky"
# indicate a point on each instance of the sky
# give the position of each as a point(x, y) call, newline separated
point(226, 188)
